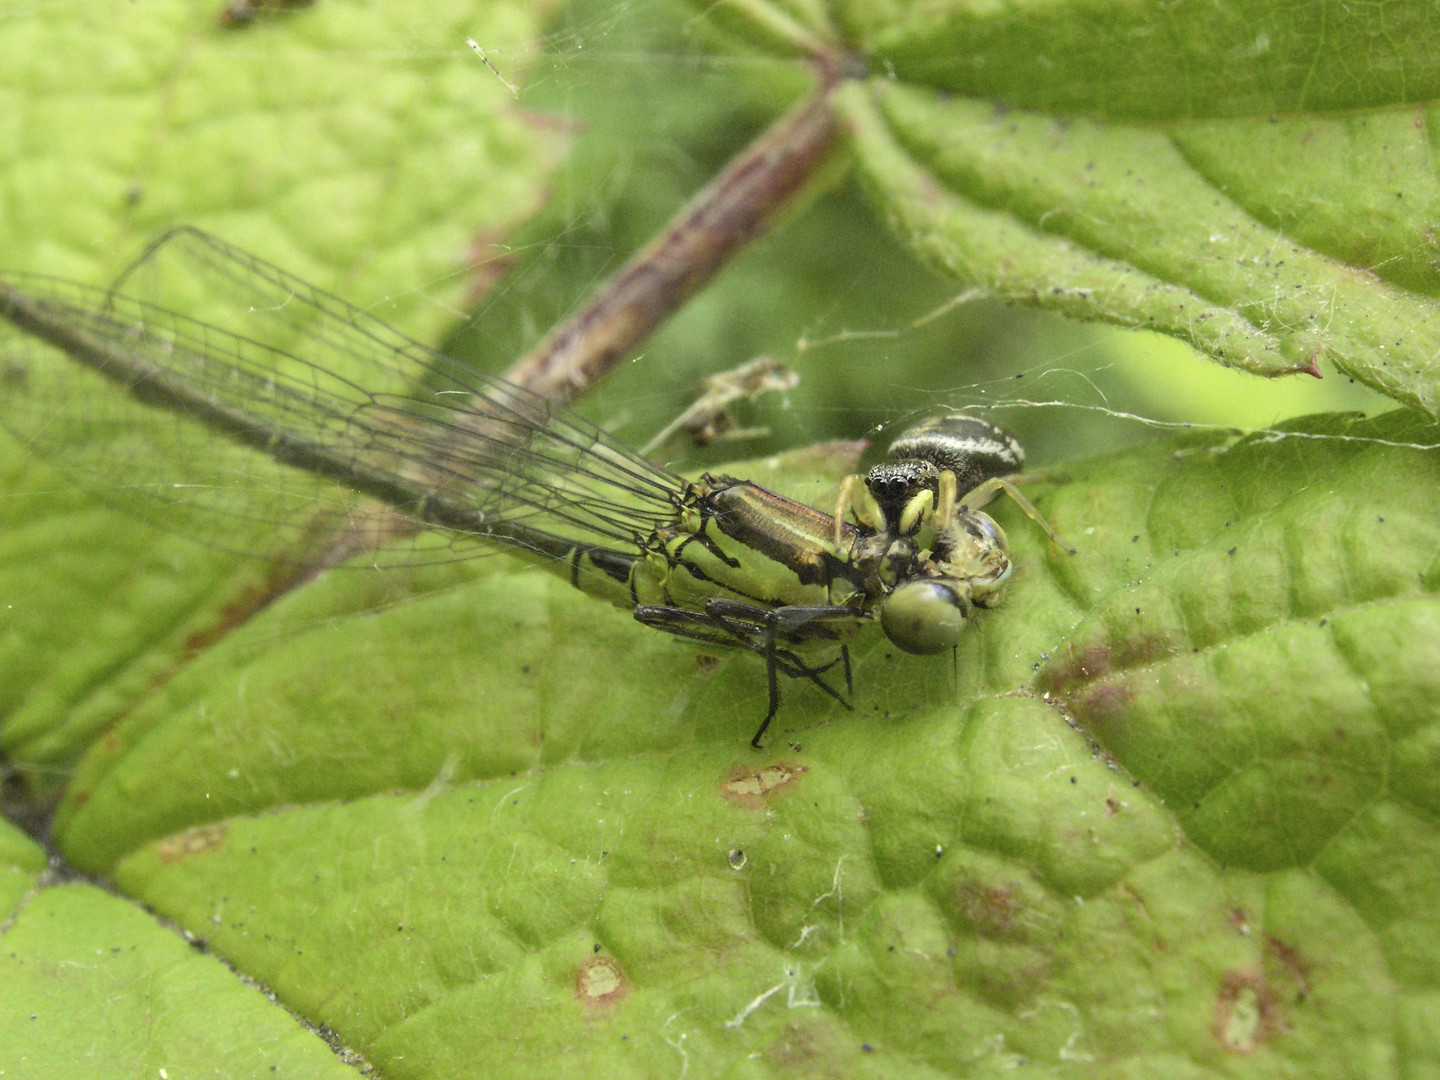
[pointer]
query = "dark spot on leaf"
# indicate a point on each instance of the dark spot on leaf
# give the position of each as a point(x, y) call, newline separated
point(751, 787)
point(200, 840)
point(1135, 895)
point(989, 909)
point(1245, 1012)
point(807, 1048)
point(280, 579)
point(1294, 964)
point(1102, 704)
point(1081, 664)
point(240, 13)
point(600, 984)
point(1089, 663)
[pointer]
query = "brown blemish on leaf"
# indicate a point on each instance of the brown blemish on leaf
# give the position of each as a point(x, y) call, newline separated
point(1145, 649)
point(809, 1049)
point(1159, 942)
point(752, 787)
point(200, 840)
point(600, 984)
point(318, 549)
point(321, 545)
point(989, 909)
point(1136, 897)
point(1295, 965)
point(1245, 1012)
point(236, 612)
point(241, 13)
point(1077, 668)
point(1080, 665)
point(1102, 704)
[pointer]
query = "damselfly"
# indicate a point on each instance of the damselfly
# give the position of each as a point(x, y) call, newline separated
point(321, 404)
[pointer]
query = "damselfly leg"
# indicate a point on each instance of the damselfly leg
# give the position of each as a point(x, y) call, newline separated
point(772, 633)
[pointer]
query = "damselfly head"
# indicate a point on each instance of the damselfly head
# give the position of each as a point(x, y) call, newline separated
point(925, 616)
point(973, 551)
point(967, 567)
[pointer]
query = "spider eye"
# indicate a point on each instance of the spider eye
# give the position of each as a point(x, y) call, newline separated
point(924, 617)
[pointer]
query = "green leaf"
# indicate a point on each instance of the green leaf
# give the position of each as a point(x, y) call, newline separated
point(21, 861)
point(280, 135)
point(94, 983)
point(1170, 812)
point(1252, 178)
point(1153, 61)
point(1187, 773)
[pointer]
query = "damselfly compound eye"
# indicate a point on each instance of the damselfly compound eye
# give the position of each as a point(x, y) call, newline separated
point(986, 531)
point(924, 617)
